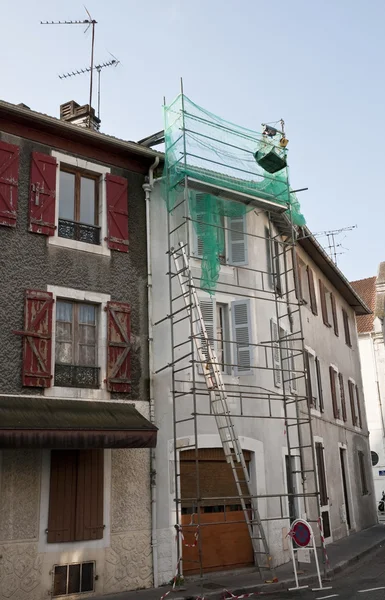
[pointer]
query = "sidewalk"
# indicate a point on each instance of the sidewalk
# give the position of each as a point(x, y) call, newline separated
point(341, 554)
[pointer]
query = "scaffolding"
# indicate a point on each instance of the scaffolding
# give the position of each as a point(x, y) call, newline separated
point(211, 182)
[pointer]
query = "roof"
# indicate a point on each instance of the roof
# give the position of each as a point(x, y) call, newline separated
point(314, 249)
point(41, 422)
point(366, 288)
point(75, 132)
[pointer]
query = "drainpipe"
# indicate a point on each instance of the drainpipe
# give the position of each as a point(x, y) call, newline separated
point(147, 187)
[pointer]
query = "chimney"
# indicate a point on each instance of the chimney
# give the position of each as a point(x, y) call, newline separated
point(79, 115)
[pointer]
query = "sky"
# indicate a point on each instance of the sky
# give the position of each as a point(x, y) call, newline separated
point(319, 65)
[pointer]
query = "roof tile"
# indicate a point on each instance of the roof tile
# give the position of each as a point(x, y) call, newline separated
point(366, 288)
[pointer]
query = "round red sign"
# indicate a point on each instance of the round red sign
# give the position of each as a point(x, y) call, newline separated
point(301, 533)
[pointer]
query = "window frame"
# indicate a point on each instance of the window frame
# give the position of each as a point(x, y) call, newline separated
point(67, 161)
point(315, 402)
point(100, 300)
point(348, 337)
point(80, 173)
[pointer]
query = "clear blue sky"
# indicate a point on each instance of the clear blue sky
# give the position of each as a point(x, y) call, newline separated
point(318, 64)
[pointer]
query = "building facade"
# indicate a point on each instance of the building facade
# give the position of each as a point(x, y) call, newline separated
point(372, 352)
point(75, 430)
point(280, 318)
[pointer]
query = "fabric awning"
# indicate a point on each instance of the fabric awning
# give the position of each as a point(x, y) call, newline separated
point(43, 422)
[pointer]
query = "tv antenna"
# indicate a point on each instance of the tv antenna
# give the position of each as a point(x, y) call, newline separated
point(332, 244)
point(98, 68)
point(90, 22)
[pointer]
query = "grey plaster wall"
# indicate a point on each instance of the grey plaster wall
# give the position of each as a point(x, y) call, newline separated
point(27, 262)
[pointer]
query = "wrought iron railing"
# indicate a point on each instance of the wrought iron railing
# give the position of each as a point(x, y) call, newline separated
point(79, 231)
point(76, 376)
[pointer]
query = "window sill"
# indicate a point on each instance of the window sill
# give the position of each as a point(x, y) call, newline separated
point(75, 245)
point(315, 412)
point(340, 422)
point(77, 393)
point(224, 269)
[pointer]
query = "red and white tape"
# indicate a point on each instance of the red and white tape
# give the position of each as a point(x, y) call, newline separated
point(323, 542)
point(242, 595)
point(196, 535)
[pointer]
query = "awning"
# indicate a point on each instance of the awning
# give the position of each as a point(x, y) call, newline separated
point(43, 422)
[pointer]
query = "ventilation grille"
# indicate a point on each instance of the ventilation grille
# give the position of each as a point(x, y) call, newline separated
point(73, 579)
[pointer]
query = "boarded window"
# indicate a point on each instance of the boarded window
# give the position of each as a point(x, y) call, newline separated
point(76, 496)
point(117, 212)
point(76, 345)
point(362, 467)
point(346, 328)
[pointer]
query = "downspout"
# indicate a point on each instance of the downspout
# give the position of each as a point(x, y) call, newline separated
point(147, 187)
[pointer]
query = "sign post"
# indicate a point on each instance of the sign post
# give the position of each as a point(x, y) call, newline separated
point(302, 534)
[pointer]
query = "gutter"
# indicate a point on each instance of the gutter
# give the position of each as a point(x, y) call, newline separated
point(314, 249)
point(147, 187)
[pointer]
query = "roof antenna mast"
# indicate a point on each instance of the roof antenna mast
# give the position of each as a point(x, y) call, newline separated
point(90, 22)
point(110, 63)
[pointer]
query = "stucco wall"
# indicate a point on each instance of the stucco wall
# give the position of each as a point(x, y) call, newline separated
point(26, 261)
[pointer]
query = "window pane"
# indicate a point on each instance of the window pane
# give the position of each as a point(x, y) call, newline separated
point(64, 311)
point(86, 313)
point(63, 353)
point(87, 356)
point(67, 196)
point(87, 201)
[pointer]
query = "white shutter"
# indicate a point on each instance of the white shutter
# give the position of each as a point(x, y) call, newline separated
point(242, 336)
point(237, 240)
point(208, 313)
point(275, 353)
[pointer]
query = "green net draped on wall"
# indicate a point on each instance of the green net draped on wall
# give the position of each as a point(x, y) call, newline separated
point(204, 147)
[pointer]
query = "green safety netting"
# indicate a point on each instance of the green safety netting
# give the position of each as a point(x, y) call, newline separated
point(208, 149)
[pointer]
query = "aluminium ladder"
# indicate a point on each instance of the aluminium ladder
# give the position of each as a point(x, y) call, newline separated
point(219, 406)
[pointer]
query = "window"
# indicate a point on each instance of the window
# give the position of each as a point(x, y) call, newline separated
point(79, 206)
point(319, 451)
point(342, 396)
point(216, 317)
point(355, 405)
point(334, 392)
point(328, 307)
point(306, 286)
point(362, 467)
point(227, 233)
point(273, 262)
point(313, 384)
point(222, 337)
point(76, 496)
point(73, 579)
point(76, 345)
point(346, 328)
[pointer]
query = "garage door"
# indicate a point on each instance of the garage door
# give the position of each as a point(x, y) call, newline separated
point(224, 535)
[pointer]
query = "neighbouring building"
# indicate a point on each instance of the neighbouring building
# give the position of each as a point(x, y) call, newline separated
point(372, 352)
point(284, 332)
point(75, 430)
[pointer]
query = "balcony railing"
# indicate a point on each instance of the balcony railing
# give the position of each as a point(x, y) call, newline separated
point(79, 231)
point(76, 376)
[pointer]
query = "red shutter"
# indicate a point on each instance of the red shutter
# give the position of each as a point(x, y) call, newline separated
point(313, 299)
point(118, 350)
point(323, 303)
point(89, 496)
point(9, 175)
point(334, 392)
point(334, 311)
point(117, 212)
point(42, 194)
point(37, 342)
point(342, 395)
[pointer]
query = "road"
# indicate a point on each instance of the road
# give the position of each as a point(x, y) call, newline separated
point(364, 581)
